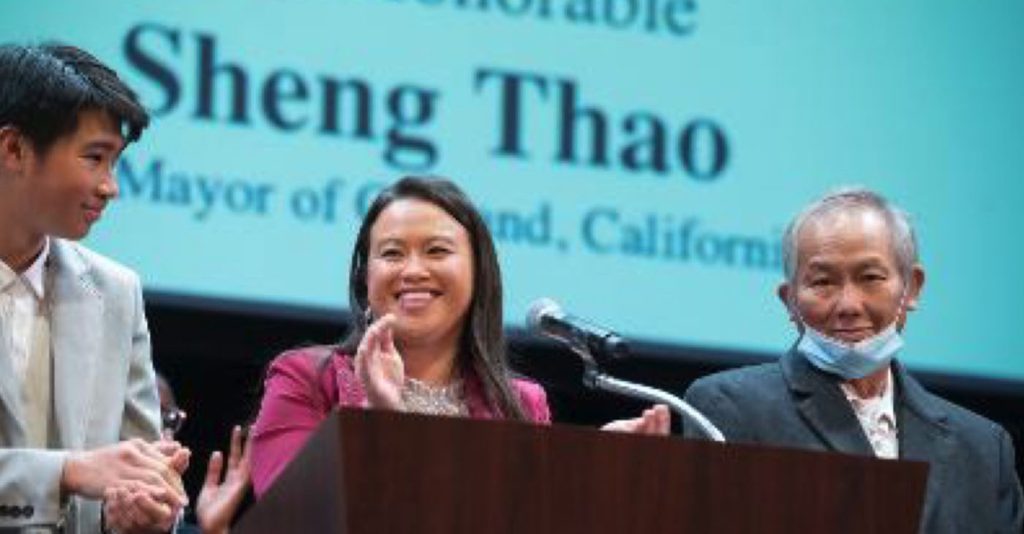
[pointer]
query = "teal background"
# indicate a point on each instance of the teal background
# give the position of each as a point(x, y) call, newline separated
point(919, 100)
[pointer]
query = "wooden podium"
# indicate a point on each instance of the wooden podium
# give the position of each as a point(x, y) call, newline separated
point(382, 472)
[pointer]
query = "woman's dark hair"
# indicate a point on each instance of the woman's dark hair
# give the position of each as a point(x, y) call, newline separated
point(482, 343)
point(45, 88)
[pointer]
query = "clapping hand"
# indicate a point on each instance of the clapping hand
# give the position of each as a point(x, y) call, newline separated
point(218, 500)
point(140, 483)
point(379, 365)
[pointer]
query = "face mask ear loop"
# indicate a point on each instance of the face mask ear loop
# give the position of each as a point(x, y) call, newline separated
point(799, 338)
point(801, 326)
point(901, 310)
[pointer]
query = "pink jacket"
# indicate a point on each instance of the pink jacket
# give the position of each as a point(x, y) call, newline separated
point(301, 389)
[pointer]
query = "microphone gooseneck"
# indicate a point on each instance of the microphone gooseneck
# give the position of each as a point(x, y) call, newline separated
point(597, 345)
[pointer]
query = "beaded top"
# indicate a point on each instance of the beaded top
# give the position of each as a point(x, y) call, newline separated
point(420, 397)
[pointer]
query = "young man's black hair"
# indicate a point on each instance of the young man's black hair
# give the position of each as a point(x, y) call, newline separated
point(44, 89)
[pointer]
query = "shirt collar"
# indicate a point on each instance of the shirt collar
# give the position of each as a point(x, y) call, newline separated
point(34, 276)
point(7, 276)
point(881, 405)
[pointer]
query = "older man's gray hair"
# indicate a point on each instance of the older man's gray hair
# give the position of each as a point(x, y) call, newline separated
point(854, 199)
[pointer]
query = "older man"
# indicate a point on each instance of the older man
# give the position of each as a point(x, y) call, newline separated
point(852, 276)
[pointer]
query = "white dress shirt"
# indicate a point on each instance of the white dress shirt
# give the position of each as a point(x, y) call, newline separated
point(878, 418)
point(21, 302)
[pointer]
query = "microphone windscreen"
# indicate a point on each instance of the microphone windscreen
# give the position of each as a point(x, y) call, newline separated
point(538, 310)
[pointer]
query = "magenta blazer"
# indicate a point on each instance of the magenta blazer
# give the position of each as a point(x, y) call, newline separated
point(301, 388)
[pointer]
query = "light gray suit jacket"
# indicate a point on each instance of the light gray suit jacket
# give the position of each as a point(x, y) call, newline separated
point(103, 387)
point(972, 482)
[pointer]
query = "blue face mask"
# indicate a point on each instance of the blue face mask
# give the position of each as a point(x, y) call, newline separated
point(850, 360)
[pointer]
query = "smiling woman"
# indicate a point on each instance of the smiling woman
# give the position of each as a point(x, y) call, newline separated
point(420, 271)
point(425, 278)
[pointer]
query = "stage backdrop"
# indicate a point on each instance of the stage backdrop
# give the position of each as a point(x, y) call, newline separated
point(637, 159)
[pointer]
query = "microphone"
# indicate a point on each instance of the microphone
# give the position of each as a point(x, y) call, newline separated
point(593, 342)
point(547, 318)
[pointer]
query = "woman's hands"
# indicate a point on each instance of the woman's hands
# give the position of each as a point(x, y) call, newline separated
point(654, 421)
point(218, 501)
point(379, 366)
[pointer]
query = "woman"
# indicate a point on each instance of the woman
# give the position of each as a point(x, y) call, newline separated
point(425, 281)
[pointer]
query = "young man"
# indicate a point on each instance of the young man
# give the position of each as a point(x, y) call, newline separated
point(79, 416)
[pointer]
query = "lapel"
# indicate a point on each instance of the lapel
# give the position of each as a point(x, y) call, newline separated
point(924, 431)
point(76, 326)
point(823, 406)
point(476, 397)
point(12, 430)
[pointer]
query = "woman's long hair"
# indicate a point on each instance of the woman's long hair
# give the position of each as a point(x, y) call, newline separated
point(482, 343)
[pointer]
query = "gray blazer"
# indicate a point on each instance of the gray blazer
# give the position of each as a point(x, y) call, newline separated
point(972, 482)
point(104, 388)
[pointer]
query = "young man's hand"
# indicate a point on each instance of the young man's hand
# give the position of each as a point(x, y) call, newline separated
point(139, 482)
